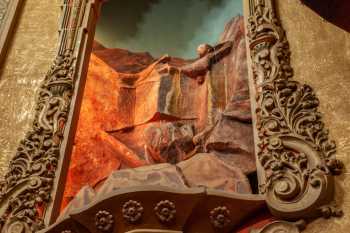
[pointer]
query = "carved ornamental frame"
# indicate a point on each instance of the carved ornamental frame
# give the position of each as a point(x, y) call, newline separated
point(295, 159)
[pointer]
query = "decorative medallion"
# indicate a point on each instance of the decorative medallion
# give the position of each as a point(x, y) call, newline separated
point(132, 211)
point(104, 220)
point(165, 211)
point(220, 217)
point(66, 231)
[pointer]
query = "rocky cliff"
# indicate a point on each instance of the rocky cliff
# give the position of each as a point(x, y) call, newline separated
point(127, 92)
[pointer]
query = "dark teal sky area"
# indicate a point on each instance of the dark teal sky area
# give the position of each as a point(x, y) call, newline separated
point(173, 27)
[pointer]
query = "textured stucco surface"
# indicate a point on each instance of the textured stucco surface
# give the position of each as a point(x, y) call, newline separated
point(321, 58)
point(29, 57)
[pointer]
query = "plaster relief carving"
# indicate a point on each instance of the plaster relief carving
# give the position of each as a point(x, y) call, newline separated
point(104, 221)
point(165, 211)
point(294, 151)
point(25, 191)
point(132, 211)
point(28, 183)
point(281, 227)
point(220, 217)
point(293, 146)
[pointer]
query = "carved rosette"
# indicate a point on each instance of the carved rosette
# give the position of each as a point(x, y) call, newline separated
point(104, 221)
point(165, 211)
point(132, 211)
point(293, 146)
point(220, 217)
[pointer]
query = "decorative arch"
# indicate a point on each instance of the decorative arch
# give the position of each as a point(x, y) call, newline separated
point(295, 158)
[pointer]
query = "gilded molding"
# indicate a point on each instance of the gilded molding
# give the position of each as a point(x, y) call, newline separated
point(294, 151)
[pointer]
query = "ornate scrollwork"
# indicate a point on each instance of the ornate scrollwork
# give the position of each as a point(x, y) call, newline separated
point(104, 221)
point(26, 187)
point(331, 211)
point(220, 217)
point(132, 211)
point(281, 227)
point(165, 211)
point(293, 147)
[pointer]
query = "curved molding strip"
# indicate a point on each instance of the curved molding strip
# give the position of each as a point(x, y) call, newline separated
point(295, 155)
point(159, 209)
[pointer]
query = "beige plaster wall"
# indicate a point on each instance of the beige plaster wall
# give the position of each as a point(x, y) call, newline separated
point(29, 57)
point(321, 58)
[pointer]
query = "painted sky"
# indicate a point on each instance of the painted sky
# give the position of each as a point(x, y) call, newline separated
point(174, 27)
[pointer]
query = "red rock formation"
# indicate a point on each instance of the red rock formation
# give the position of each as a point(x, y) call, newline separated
point(236, 69)
point(124, 61)
point(97, 153)
point(231, 105)
point(127, 92)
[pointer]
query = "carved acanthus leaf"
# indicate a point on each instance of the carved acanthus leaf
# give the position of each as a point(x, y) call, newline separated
point(293, 146)
point(26, 188)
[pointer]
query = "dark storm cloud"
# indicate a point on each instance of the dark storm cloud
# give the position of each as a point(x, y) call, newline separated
point(174, 27)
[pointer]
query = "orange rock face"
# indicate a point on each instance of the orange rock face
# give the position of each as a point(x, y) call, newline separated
point(111, 104)
point(90, 153)
point(136, 111)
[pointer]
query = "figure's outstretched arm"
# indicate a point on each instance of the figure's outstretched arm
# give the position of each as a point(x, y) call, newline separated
point(220, 51)
point(129, 80)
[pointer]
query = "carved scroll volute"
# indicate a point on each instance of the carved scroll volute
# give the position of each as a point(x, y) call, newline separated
point(281, 227)
point(294, 151)
point(26, 189)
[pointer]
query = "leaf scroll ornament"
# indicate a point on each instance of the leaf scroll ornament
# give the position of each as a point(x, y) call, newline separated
point(293, 146)
point(28, 183)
